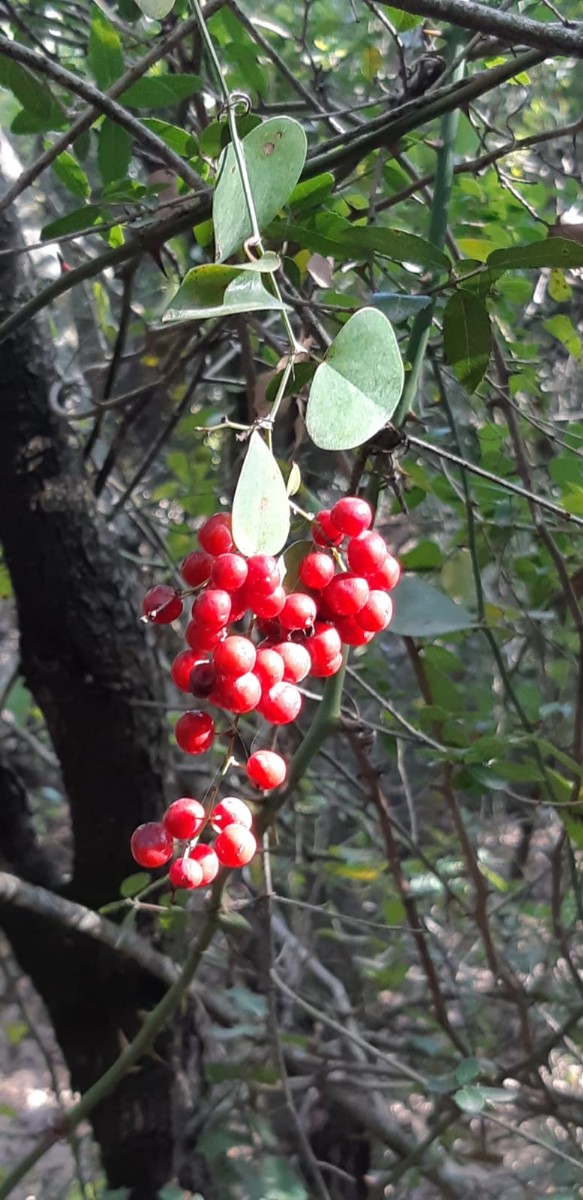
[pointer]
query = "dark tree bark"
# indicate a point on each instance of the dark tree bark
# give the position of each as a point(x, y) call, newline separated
point(86, 660)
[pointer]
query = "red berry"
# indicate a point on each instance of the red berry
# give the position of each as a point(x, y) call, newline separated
point(231, 811)
point(184, 818)
point(367, 552)
point(266, 769)
point(203, 678)
point(151, 845)
point(215, 535)
point(327, 667)
point(352, 515)
point(264, 575)
point(298, 612)
point(351, 633)
point(182, 667)
point(346, 594)
point(196, 568)
point(161, 605)
point(240, 695)
point(239, 604)
point(316, 570)
point(281, 704)
point(212, 608)
point(377, 612)
point(387, 576)
point(267, 606)
point(194, 732)
point(270, 628)
point(185, 873)
point(207, 861)
point(235, 656)
point(324, 531)
point(229, 572)
point(202, 640)
point(268, 667)
point(296, 660)
point(323, 647)
point(235, 846)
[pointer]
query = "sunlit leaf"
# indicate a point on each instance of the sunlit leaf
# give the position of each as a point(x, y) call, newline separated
point(467, 338)
point(214, 290)
point(261, 513)
point(104, 52)
point(155, 9)
point(160, 91)
point(550, 252)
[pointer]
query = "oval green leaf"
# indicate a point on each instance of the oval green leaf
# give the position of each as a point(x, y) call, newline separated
point(355, 391)
point(261, 513)
point(467, 338)
point(550, 252)
point(275, 153)
point(216, 291)
point(155, 9)
point(423, 611)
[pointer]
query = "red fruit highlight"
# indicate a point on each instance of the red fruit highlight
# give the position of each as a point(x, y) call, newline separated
point(207, 861)
point(367, 552)
point(352, 515)
point(229, 571)
point(298, 612)
point(264, 575)
point(269, 667)
point(151, 845)
point(351, 633)
point(215, 535)
point(235, 656)
point(235, 846)
point(161, 605)
point(267, 607)
point(184, 818)
point(185, 873)
point(346, 594)
point(212, 608)
point(324, 531)
point(240, 695)
point(330, 666)
point(281, 704)
point(194, 732)
point(296, 660)
point(376, 613)
point(202, 640)
point(387, 576)
point(182, 667)
point(323, 647)
point(266, 769)
point(316, 570)
point(196, 568)
point(231, 811)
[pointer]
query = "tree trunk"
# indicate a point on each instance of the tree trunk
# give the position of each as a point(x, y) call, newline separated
point(86, 660)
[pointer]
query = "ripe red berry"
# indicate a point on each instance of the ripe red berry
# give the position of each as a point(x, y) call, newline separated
point(323, 647)
point(268, 667)
point(229, 571)
point(316, 570)
point(185, 873)
point(296, 660)
point(298, 612)
point(388, 574)
point(196, 568)
point(207, 861)
point(327, 667)
point(235, 656)
point(161, 605)
point(239, 604)
point(281, 704)
point(266, 769)
point(324, 531)
point(267, 607)
point(367, 552)
point(352, 515)
point(240, 695)
point(212, 608)
point(202, 640)
point(264, 575)
point(215, 535)
point(182, 667)
point(202, 680)
point(351, 633)
point(377, 612)
point(194, 732)
point(235, 846)
point(346, 594)
point(231, 811)
point(184, 818)
point(151, 845)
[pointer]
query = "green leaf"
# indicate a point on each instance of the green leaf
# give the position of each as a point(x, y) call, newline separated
point(397, 306)
point(467, 1070)
point(290, 561)
point(74, 222)
point(423, 611)
point(177, 139)
point(561, 327)
point(160, 91)
point(155, 9)
point(467, 338)
point(355, 391)
point(275, 153)
point(71, 175)
point(104, 52)
point(394, 244)
point(213, 290)
point(113, 152)
point(26, 122)
point(470, 1099)
point(217, 135)
point(16, 1031)
point(551, 252)
point(35, 97)
point(133, 884)
point(261, 513)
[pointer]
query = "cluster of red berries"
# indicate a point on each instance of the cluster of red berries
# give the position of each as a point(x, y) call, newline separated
point(153, 844)
point(288, 634)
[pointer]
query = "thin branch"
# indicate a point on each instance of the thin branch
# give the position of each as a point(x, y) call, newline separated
point(552, 38)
